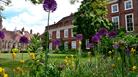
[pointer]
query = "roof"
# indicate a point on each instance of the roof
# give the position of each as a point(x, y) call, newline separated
point(70, 17)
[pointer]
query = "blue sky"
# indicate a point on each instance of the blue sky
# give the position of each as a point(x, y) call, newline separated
point(23, 13)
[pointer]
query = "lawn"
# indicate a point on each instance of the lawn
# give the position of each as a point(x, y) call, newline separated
point(7, 62)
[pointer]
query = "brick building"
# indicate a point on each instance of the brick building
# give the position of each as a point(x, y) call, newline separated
point(62, 30)
point(11, 38)
point(124, 14)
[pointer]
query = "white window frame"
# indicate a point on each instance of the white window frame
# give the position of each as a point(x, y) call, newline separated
point(66, 34)
point(66, 44)
point(57, 34)
point(73, 45)
point(113, 6)
point(50, 46)
point(132, 21)
point(50, 35)
point(118, 20)
point(72, 32)
point(126, 3)
point(87, 43)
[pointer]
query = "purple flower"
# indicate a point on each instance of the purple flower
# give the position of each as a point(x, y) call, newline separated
point(24, 40)
point(56, 42)
point(2, 35)
point(102, 31)
point(49, 5)
point(112, 34)
point(79, 36)
point(95, 39)
point(98, 35)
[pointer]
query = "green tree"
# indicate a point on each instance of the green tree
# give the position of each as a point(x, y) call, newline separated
point(90, 17)
point(4, 3)
point(45, 40)
point(36, 1)
point(40, 1)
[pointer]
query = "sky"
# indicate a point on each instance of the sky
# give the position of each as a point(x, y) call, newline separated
point(22, 13)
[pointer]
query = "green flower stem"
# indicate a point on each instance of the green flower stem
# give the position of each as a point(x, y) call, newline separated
point(13, 68)
point(123, 61)
point(47, 50)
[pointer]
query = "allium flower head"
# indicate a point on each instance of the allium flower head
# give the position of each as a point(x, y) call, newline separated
point(56, 42)
point(2, 35)
point(98, 35)
point(79, 37)
point(102, 31)
point(112, 34)
point(95, 39)
point(24, 40)
point(49, 5)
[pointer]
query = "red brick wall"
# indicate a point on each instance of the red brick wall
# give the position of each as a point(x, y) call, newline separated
point(69, 38)
point(53, 37)
point(122, 13)
point(62, 34)
point(135, 6)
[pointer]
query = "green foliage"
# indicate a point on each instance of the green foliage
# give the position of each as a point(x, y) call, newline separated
point(3, 4)
point(35, 44)
point(90, 17)
point(36, 1)
point(45, 40)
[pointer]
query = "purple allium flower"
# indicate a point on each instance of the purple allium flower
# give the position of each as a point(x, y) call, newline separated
point(112, 34)
point(102, 31)
point(2, 35)
point(56, 42)
point(79, 36)
point(24, 40)
point(98, 35)
point(95, 39)
point(49, 5)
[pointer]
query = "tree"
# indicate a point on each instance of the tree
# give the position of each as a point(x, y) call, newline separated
point(90, 17)
point(4, 3)
point(40, 1)
point(45, 40)
point(36, 1)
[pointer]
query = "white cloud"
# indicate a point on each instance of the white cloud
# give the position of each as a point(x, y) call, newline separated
point(33, 16)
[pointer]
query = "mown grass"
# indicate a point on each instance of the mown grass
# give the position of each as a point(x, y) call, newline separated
point(7, 62)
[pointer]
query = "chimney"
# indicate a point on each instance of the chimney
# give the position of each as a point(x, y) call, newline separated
point(31, 31)
point(0, 22)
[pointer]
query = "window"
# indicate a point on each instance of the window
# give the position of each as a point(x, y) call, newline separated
point(50, 46)
point(87, 44)
point(73, 45)
point(50, 35)
point(128, 5)
point(71, 32)
point(114, 8)
point(58, 34)
point(115, 21)
point(66, 33)
point(66, 45)
point(129, 22)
